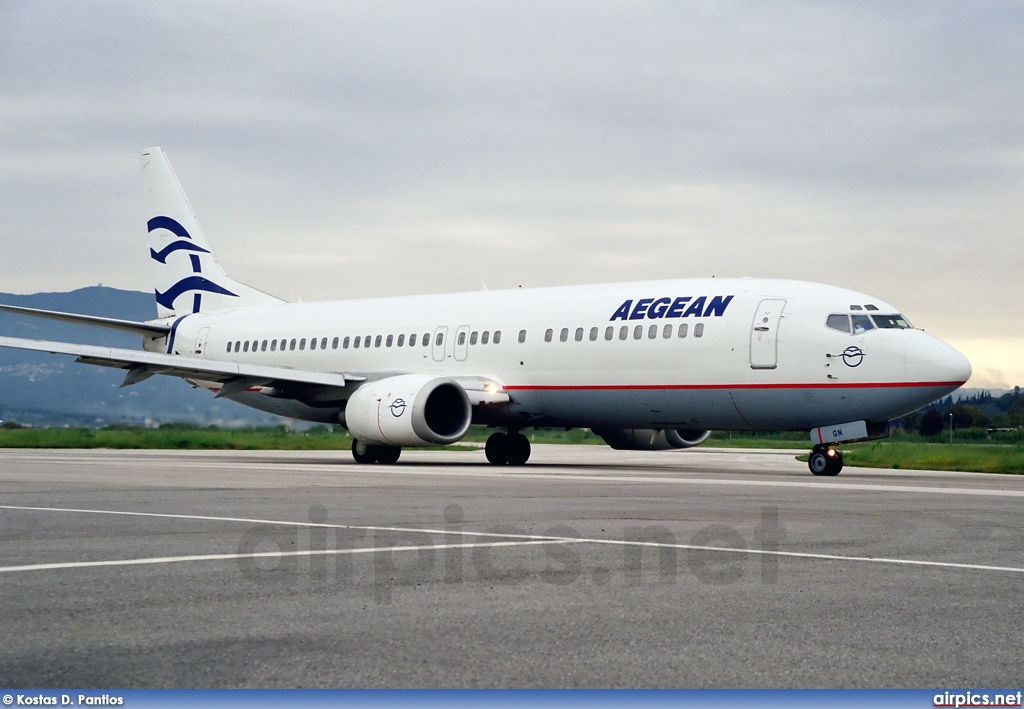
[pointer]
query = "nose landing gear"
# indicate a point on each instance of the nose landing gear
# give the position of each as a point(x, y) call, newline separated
point(825, 461)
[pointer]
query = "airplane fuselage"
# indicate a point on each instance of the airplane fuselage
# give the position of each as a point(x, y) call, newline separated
point(753, 354)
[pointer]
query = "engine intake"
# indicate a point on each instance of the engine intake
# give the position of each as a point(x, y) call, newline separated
point(408, 410)
point(651, 439)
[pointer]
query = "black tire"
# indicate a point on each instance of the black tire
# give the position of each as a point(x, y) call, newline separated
point(825, 461)
point(388, 455)
point(818, 462)
point(364, 453)
point(518, 449)
point(497, 449)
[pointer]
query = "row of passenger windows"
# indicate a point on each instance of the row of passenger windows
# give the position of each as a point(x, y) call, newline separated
point(638, 332)
point(482, 337)
point(485, 336)
point(856, 324)
point(346, 342)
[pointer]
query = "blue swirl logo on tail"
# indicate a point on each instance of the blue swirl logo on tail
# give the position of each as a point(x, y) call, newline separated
point(191, 283)
point(163, 253)
point(171, 225)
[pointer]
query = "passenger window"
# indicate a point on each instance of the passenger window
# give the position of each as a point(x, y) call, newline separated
point(593, 334)
point(439, 340)
point(245, 347)
point(623, 332)
point(238, 346)
point(263, 346)
point(638, 332)
point(390, 341)
point(698, 330)
point(273, 345)
point(334, 343)
point(323, 343)
point(401, 340)
point(462, 338)
point(547, 334)
point(839, 323)
point(229, 347)
point(609, 332)
point(485, 337)
point(376, 341)
point(302, 343)
point(682, 330)
point(497, 337)
point(861, 323)
point(473, 337)
point(345, 343)
point(355, 344)
point(426, 339)
point(563, 336)
point(291, 345)
point(412, 340)
point(312, 344)
point(522, 336)
point(579, 334)
point(652, 332)
point(667, 333)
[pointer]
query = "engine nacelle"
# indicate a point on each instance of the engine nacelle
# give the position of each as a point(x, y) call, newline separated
point(651, 439)
point(408, 410)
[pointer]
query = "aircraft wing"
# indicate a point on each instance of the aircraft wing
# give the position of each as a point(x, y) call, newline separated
point(234, 377)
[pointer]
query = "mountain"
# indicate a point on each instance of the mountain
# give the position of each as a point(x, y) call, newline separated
point(45, 389)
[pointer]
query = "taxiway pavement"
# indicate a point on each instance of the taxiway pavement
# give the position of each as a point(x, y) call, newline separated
point(586, 568)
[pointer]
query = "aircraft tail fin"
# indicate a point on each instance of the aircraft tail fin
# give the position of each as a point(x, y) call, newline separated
point(188, 277)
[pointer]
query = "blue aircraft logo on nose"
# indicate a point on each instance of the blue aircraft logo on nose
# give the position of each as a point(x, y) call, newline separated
point(853, 356)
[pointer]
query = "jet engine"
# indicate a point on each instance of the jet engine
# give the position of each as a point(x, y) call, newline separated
point(651, 439)
point(408, 410)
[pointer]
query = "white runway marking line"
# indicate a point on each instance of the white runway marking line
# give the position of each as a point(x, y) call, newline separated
point(522, 540)
point(269, 555)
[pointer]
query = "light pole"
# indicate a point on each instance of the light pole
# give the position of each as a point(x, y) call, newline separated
point(951, 429)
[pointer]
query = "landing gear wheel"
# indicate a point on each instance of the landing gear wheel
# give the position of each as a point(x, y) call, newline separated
point(388, 455)
point(825, 461)
point(518, 449)
point(497, 449)
point(364, 453)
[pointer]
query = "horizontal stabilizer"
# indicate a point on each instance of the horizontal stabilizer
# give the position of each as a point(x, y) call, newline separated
point(136, 328)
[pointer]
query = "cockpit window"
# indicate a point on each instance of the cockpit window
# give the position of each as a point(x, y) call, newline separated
point(892, 321)
point(861, 323)
point(839, 322)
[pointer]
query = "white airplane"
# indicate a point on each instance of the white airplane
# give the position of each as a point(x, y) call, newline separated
point(648, 365)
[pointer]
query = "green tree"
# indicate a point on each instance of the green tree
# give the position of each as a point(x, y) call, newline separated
point(932, 423)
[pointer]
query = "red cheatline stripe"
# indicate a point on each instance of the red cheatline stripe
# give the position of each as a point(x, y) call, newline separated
point(637, 387)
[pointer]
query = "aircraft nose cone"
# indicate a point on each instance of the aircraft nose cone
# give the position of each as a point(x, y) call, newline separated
point(930, 359)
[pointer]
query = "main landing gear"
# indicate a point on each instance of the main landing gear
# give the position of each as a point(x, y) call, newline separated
point(512, 448)
point(386, 455)
point(825, 461)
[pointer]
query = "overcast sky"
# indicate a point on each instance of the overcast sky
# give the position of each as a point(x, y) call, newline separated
point(339, 150)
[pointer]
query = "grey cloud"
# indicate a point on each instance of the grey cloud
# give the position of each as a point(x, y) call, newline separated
point(335, 150)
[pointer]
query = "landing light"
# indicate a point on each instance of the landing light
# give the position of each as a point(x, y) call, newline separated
point(490, 388)
point(831, 453)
